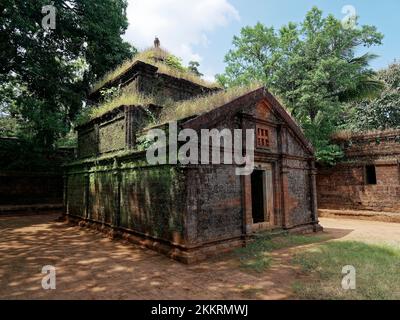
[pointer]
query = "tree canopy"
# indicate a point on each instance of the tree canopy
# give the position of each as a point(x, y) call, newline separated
point(380, 113)
point(45, 73)
point(312, 66)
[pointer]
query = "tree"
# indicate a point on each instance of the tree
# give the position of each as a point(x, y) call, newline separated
point(50, 70)
point(312, 66)
point(382, 112)
point(194, 67)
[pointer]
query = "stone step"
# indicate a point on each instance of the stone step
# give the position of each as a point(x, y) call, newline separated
point(361, 215)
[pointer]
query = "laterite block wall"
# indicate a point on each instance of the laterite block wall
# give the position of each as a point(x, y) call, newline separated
point(215, 210)
point(147, 200)
point(345, 186)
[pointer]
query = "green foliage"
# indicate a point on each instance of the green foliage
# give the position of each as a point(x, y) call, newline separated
point(174, 62)
point(51, 70)
point(376, 265)
point(312, 65)
point(380, 113)
point(329, 153)
point(109, 94)
point(143, 143)
point(8, 127)
point(194, 68)
point(25, 154)
point(70, 140)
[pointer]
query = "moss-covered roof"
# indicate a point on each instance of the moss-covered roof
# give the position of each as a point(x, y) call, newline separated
point(200, 105)
point(159, 58)
point(345, 135)
point(171, 110)
point(198, 111)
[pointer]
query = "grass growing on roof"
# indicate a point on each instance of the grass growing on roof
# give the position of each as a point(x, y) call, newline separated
point(350, 134)
point(127, 98)
point(172, 110)
point(163, 60)
point(204, 104)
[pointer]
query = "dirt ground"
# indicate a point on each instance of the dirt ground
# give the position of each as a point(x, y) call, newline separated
point(90, 266)
point(372, 232)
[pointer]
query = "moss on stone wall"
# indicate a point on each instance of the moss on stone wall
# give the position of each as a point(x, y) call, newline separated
point(112, 136)
point(148, 199)
point(152, 201)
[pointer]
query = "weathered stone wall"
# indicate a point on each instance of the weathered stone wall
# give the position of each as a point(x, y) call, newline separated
point(214, 207)
point(88, 142)
point(114, 131)
point(373, 147)
point(103, 135)
point(146, 79)
point(153, 202)
point(345, 187)
point(103, 195)
point(187, 206)
point(165, 86)
point(30, 177)
point(26, 188)
point(112, 135)
point(131, 195)
point(299, 193)
point(76, 191)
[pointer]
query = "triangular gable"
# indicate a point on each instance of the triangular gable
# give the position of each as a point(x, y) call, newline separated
point(241, 104)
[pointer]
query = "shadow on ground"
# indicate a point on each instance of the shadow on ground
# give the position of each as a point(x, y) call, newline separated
point(90, 266)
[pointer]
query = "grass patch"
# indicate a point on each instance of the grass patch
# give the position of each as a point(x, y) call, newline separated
point(172, 111)
point(127, 97)
point(159, 58)
point(377, 271)
point(124, 99)
point(256, 256)
point(203, 104)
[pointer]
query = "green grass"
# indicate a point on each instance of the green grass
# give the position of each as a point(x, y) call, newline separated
point(172, 111)
point(125, 99)
point(153, 56)
point(206, 103)
point(256, 256)
point(377, 271)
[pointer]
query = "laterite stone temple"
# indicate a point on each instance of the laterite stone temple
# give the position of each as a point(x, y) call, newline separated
point(189, 212)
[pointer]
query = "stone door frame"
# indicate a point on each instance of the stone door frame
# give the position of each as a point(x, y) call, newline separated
point(269, 199)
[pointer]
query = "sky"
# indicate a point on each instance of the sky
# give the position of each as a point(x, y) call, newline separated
point(202, 30)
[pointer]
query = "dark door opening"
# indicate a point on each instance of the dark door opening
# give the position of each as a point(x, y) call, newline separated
point(257, 195)
point(370, 174)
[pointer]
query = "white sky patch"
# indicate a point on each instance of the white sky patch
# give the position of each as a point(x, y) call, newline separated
point(209, 75)
point(181, 25)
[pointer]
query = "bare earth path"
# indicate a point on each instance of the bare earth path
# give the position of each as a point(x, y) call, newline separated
point(90, 266)
point(373, 232)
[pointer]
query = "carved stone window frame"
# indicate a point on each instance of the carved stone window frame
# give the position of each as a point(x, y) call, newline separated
point(263, 137)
